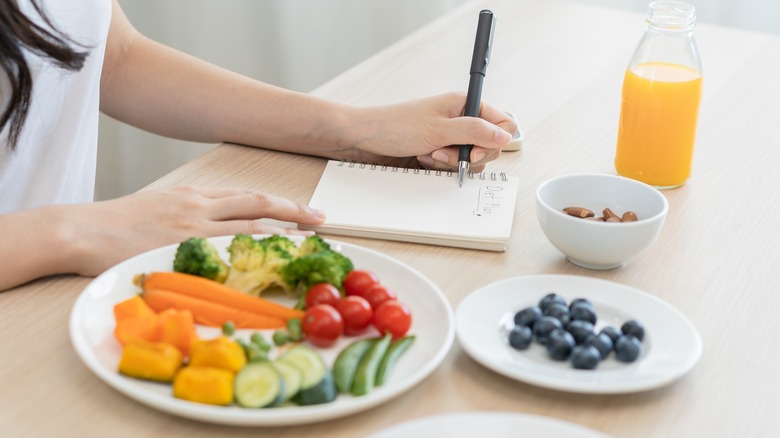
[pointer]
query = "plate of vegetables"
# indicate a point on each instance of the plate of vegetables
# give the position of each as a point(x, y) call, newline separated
point(262, 330)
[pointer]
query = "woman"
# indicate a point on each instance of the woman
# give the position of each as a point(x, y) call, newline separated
point(66, 61)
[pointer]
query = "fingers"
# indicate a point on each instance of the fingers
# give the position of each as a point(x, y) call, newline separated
point(255, 205)
point(250, 227)
point(476, 131)
point(500, 118)
point(447, 158)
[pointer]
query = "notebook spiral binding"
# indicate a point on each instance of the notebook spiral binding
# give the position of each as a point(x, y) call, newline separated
point(493, 176)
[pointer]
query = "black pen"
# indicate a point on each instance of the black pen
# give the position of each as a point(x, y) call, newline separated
point(479, 62)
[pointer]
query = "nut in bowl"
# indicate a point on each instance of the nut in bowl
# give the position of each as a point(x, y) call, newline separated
point(585, 234)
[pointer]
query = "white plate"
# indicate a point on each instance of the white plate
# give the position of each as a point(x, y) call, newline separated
point(92, 324)
point(487, 424)
point(671, 346)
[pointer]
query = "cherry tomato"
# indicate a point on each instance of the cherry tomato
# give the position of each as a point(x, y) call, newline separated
point(393, 317)
point(358, 281)
point(378, 294)
point(356, 313)
point(323, 325)
point(322, 293)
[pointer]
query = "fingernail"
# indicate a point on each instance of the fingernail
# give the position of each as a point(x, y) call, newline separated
point(502, 137)
point(318, 214)
point(479, 156)
point(440, 156)
point(425, 160)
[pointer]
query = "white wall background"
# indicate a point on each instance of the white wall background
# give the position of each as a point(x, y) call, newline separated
point(300, 44)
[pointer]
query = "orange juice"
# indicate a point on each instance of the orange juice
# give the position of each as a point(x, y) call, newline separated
point(658, 123)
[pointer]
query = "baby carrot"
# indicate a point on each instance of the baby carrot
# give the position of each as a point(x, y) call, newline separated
point(209, 312)
point(210, 290)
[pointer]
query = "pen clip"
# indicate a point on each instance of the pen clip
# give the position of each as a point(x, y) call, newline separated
point(490, 38)
point(484, 42)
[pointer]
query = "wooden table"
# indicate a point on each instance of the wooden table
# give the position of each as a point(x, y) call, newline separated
point(558, 66)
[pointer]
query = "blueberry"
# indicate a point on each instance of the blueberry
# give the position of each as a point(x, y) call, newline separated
point(544, 326)
point(549, 299)
point(627, 348)
point(583, 312)
point(634, 328)
point(528, 316)
point(602, 342)
point(585, 357)
point(520, 337)
point(580, 329)
point(612, 332)
point(560, 344)
point(559, 311)
point(580, 302)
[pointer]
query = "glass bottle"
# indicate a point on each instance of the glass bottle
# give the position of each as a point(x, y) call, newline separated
point(660, 102)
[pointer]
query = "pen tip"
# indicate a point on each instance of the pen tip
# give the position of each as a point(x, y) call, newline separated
point(463, 168)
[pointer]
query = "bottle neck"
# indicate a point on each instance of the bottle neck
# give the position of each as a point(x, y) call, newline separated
point(671, 16)
point(669, 37)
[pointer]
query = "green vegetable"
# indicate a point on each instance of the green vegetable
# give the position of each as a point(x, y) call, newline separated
point(259, 340)
point(324, 266)
point(323, 392)
point(394, 351)
point(228, 328)
point(258, 385)
point(295, 330)
point(317, 385)
point(252, 351)
point(197, 256)
point(365, 376)
point(345, 367)
point(280, 338)
point(312, 244)
point(308, 361)
point(256, 264)
point(292, 377)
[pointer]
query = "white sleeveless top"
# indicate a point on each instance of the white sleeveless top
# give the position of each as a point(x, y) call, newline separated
point(54, 161)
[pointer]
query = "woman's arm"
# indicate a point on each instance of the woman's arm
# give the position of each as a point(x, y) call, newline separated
point(162, 90)
point(87, 239)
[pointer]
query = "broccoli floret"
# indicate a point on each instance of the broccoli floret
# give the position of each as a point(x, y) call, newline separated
point(280, 242)
point(312, 244)
point(197, 256)
point(256, 264)
point(322, 266)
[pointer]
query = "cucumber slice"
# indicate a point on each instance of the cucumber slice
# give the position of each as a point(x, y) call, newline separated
point(346, 364)
point(292, 377)
point(258, 385)
point(322, 392)
point(309, 362)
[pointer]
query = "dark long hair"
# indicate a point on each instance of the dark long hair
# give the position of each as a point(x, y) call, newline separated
point(18, 32)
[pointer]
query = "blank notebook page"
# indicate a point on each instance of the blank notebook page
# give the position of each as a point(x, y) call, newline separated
point(416, 205)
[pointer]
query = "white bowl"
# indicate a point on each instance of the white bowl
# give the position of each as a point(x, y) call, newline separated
point(593, 244)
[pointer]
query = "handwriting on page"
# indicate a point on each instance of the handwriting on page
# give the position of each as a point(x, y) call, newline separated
point(489, 200)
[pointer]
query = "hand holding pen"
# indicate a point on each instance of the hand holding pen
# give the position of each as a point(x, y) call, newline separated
point(479, 63)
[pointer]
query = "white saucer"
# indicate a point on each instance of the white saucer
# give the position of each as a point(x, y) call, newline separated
point(671, 347)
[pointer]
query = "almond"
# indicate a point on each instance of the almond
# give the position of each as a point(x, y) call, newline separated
point(629, 216)
point(578, 212)
point(609, 214)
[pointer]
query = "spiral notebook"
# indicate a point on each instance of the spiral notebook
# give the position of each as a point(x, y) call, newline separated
point(416, 205)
